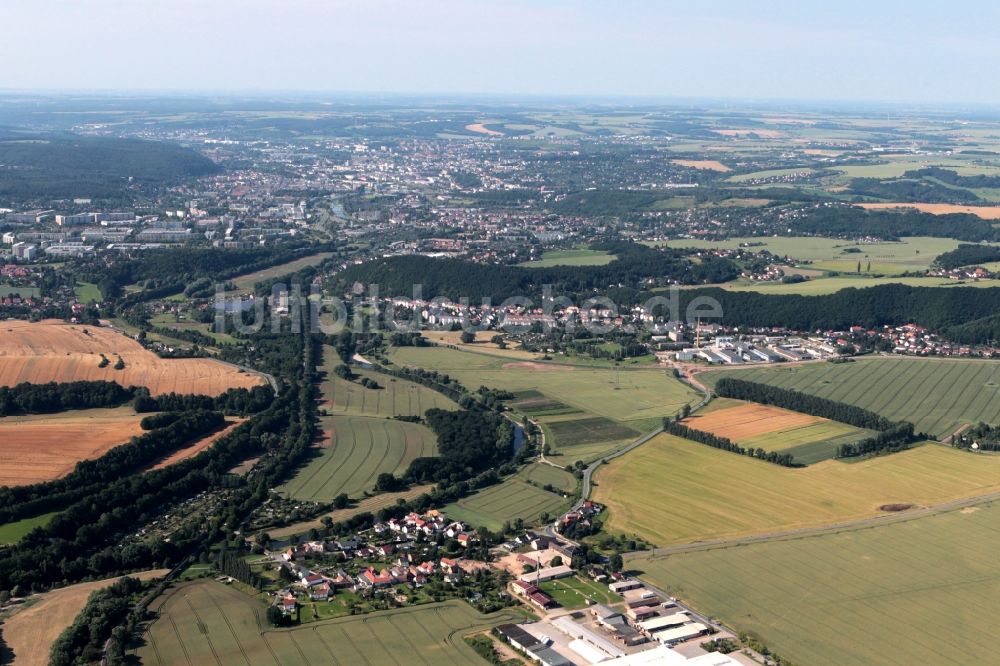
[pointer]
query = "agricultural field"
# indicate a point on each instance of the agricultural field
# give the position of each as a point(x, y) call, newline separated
point(14, 532)
point(541, 475)
point(31, 631)
point(808, 438)
point(397, 397)
point(575, 257)
point(672, 491)
point(205, 622)
point(245, 283)
point(567, 399)
point(23, 292)
point(355, 450)
point(43, 447)
point(513, 498)
point(932, 584)
point(830, 254)
point(833, 284)
point(985, 212)
point(51, 351)
point(936, 395)
point(711, 165)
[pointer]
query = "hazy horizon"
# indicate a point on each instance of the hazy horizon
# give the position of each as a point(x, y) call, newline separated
point(889, 52)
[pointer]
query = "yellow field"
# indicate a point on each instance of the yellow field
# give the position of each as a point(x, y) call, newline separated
point(711, 165)
point(51, 351)
point(672, 491)
point(43, 447)
point(985, 212)
point(31, 632)
point(749, 420)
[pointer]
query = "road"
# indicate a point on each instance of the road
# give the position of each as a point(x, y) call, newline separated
point(589, 471)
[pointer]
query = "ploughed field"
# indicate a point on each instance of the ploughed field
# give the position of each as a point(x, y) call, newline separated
point(937, 395)
point(808, 438)
point(205, 622)
point(51, 351)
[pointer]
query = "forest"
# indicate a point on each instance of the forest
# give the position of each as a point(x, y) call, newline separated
point(892, 304)
point(51, 398)
point(854, 222)
point(67, 165)
point(968, 255)
point(470, 441)
point(455, 279)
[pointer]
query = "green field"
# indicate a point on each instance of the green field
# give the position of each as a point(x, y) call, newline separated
point(923, 591)
point(205, 622)
point(575, 257)
point(672, 490)
point(246, 282)
point(541, 475)
point(397, 397)
point(14, 532)
point(573, 593)
point(811, 443)
point(566, 399)
point(936, 395)
point(513, 498)
point(359, 449)
point(909, 254)
point(87, 292)
point(23, 292)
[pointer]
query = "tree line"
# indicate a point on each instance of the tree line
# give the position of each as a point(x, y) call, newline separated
point(967, 255)
point(724, 443)
point(55, 397)
point(106, 609)
point(892, 435)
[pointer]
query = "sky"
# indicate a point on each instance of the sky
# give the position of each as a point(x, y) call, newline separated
point(889, 50)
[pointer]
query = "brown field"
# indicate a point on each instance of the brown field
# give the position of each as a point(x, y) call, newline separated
point(711, 165)
point(480, 128)
point(985, 212)
point(747, 420)
point(51, 351)
point(31, 632)
point(44, 447)
point(197, 447)
point(762, 133)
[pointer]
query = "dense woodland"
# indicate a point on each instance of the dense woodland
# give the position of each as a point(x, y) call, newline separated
point(968, 255)
point(52, 397)
point(636, 265)
point(842, 221)
point(890, 304)
point(66, 165)
point(83, 641)
point(470, 441)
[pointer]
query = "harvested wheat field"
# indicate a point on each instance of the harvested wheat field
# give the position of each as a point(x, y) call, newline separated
point(985, 212)
point(44, 447)
point(30, 633)
point(51, 351)
point(711, 165)
point(749, 420)
point(197, 447)
point(481, 128)
point(762, 133)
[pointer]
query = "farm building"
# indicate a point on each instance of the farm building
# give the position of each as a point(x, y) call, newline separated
point(623, 585)
point(547, 574)
point(517, 637)
point(665, 622)
point(681, 633)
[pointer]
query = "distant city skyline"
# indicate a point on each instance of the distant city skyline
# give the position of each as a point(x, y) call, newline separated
point(888, 51)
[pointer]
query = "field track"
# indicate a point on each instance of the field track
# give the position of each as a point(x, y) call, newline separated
point(52, 351)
